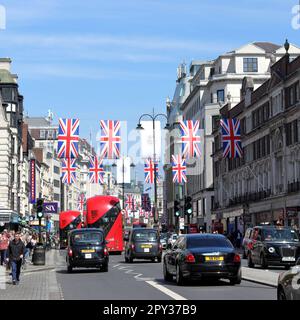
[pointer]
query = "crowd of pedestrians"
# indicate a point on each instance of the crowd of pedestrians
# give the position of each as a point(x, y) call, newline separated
point(16, 249)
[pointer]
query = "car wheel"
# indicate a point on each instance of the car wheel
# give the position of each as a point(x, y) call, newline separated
point(250, 262)
point(70, 269)
point(281, 294)
point(153, 259)
point(237, 279)
point(104, 268)
point(130, 259)
point(263, 261)
point(167, 275)
point(179, 278)
point(286, 267)
point(126, 259)
point(159, 259)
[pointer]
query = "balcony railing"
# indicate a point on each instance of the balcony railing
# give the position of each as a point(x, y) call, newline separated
point(248, 197)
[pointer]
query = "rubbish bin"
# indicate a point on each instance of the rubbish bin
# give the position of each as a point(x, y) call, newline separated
point(39, 255)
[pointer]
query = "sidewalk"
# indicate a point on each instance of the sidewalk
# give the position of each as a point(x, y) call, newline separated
point(267, 277)
point(37, 282)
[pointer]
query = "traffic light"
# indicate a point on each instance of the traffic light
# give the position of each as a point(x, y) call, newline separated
point(177, 208)
point(188, 207)
point(40, 208)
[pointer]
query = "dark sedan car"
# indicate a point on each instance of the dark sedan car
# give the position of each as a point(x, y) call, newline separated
point(198, 256)
point(87, 249)
point(272, 245)
point(289, 284)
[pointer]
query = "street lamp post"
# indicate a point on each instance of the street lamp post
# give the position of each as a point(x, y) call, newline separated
point(153, 117)
point(123, 178)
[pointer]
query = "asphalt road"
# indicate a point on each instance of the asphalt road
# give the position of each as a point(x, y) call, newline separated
point(143, 280)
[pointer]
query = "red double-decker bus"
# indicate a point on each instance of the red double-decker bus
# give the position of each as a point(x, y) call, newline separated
point(105, 212)
point(68, 220)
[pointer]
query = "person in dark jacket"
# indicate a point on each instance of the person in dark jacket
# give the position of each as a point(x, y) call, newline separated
point(16, 251)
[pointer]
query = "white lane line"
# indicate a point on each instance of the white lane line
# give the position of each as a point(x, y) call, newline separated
point(166, 291)
point(115, 265)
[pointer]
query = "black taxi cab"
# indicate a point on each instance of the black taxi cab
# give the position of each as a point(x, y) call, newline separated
point(273, 245)
point(87, 249)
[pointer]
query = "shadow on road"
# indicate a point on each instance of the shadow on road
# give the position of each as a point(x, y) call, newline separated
point(79, 271)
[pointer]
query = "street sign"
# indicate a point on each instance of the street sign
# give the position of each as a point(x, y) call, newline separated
point(50, 207)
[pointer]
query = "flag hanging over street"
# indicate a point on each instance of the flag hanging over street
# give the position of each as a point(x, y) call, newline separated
point(150, 169)
point(81, 202)
point(190, 138)
point(130, 202)
point(68, 171)
point(110, 140)
point(68, 137)
point(178, 169)
point(96, 171)
point(231, 138)
point(146, 203)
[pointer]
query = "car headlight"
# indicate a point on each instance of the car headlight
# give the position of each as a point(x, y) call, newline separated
point(271, 249)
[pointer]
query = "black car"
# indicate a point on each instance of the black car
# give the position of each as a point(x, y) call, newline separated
point(272, 245)
point(198, 256)
point(143, 243)
point(289, 284)
point(87, 249)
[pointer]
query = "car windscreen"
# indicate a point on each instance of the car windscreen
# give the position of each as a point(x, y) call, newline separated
point(145, 235)
point(87, 237)
point(197, 242)
point(279, 235)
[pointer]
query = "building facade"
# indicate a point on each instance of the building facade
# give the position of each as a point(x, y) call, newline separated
point(215, 83)
point(264, 185)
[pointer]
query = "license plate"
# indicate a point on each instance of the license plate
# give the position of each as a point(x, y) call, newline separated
point(88, 256)
point(146, 249)
point(146, 246)
point(288, 259)
point(88, 251)
point(214, 258)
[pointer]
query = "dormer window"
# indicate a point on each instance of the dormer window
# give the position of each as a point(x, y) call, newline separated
point(250, 65)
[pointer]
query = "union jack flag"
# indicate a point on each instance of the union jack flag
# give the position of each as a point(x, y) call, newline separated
point(96, 171)
point(129, 203)
point(142, 212)
point(110, 140)
point(178, 169)
point(146, 204)
point(68, 137)
point(231, 138)
point(81, 202)
point(190, 138)
point(151, 170)
point(68, 171)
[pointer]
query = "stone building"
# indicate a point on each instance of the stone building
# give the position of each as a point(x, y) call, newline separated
point(264, 185)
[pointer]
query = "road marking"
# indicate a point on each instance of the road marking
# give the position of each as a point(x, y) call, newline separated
point(166, 291)
point(115, 265)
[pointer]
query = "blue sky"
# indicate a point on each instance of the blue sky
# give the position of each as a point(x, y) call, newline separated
point(115, 59)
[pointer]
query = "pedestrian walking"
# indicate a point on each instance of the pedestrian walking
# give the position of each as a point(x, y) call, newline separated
point(16, 251)
point(4, 242)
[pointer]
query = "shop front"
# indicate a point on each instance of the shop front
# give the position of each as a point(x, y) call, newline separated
point(292, 217)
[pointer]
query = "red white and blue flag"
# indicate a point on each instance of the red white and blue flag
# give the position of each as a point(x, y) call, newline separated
point(190, 138)
point(68, 137)
point(130, 203)
point(96, 170)
point(178, 169)
point(231, 138)
point(81, 202)
point(110, 140)
point(150, 169)
point(68, 171)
